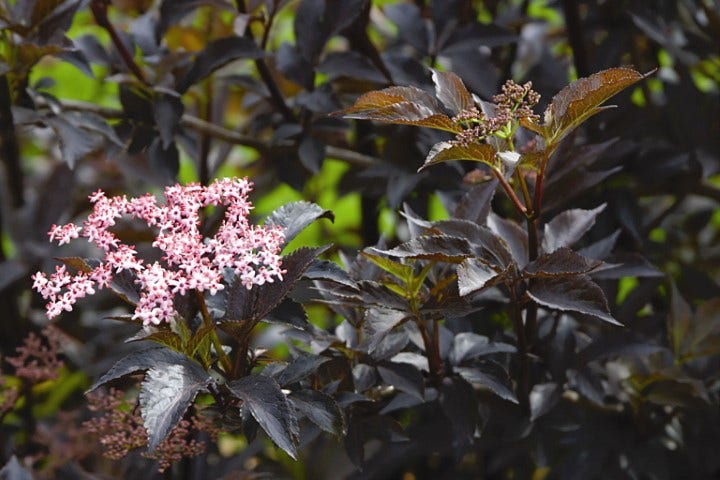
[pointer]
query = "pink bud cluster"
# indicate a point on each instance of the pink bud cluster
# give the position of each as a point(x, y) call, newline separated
point(189, 261)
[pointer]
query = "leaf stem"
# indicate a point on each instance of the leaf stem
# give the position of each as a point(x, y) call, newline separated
point(99, 11)
point(510, 192)
point(523, 383)
point(207, 320)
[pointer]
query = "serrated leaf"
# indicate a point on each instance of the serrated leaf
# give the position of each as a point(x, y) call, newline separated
point(399, 270)
point(484, 242)
point(165, 395)
point(295, 216)
point(474, 275)
point(320, 409)
point(561, 262)
point(166, 338)
point(299, 368)
point(267, 403)
point(217, 54)
point(469, 345)
point(142, 360)
point(242, 304)
point(451, 91)
point(577, 293)
point(401, 105)
point(568, 227)
point(450, 151)
point(404, 377)
point(581, 99)
point(477, 376)
point(443, 248)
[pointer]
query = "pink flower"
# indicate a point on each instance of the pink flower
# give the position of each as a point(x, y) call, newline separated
point(189, 261)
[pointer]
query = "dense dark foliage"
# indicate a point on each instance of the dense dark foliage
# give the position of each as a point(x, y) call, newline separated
point(525, 286)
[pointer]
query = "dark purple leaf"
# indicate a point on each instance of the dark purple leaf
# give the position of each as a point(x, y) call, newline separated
point(299, 368)
point(474, 275)
point(10, 271)
point(543, 397)
point(568, 227)
point(312, 153)
point(164, 160)
point(216, 54)
point(142, 360)
point(411, 25)
point(561, 262)
point(350, 64)
point(477, 376)
point(403, 377)
point(433, 247)
point(458, 403)
point(378, 322)
point(295, 216)
point(75, 142)
point(242, 305)
point(475, 204)
point(601, 249)
point(165, 395)
point(294, 66)
point(469, 345)
point(485, 243)
point(577, 293)
point(679, 321)
point(316, 21)
point(267, 403)
point(321, 409)
point(168, 111)
point(514, 236)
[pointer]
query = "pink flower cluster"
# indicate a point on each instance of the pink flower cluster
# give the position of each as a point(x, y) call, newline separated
point(190, 261)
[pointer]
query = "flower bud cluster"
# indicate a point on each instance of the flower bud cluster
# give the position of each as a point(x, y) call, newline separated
point(515, 103)
point(189, 261)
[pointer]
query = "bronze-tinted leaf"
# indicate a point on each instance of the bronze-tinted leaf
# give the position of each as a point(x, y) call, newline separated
point(561, 262)
point(447, 152)
point(451, 91)
point(401, 105)
point(581, 99)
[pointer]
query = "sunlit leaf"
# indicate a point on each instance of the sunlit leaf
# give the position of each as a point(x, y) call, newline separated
point(581, 99)
point(293, 217)
point(165, 395)
point(401, 105)
point(474, 275)
point(450, 151)
point(451, 91)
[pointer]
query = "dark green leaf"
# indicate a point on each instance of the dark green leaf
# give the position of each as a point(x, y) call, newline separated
point(581, 99)
point(451, 91)
point(568, 227)
point(217, 54)
point(165, 395)
point(449, 151)
point(577, 293)
point(295, 216)
point(263, 397)
point(403, 377)
point(321, 409)
point(399, 270)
